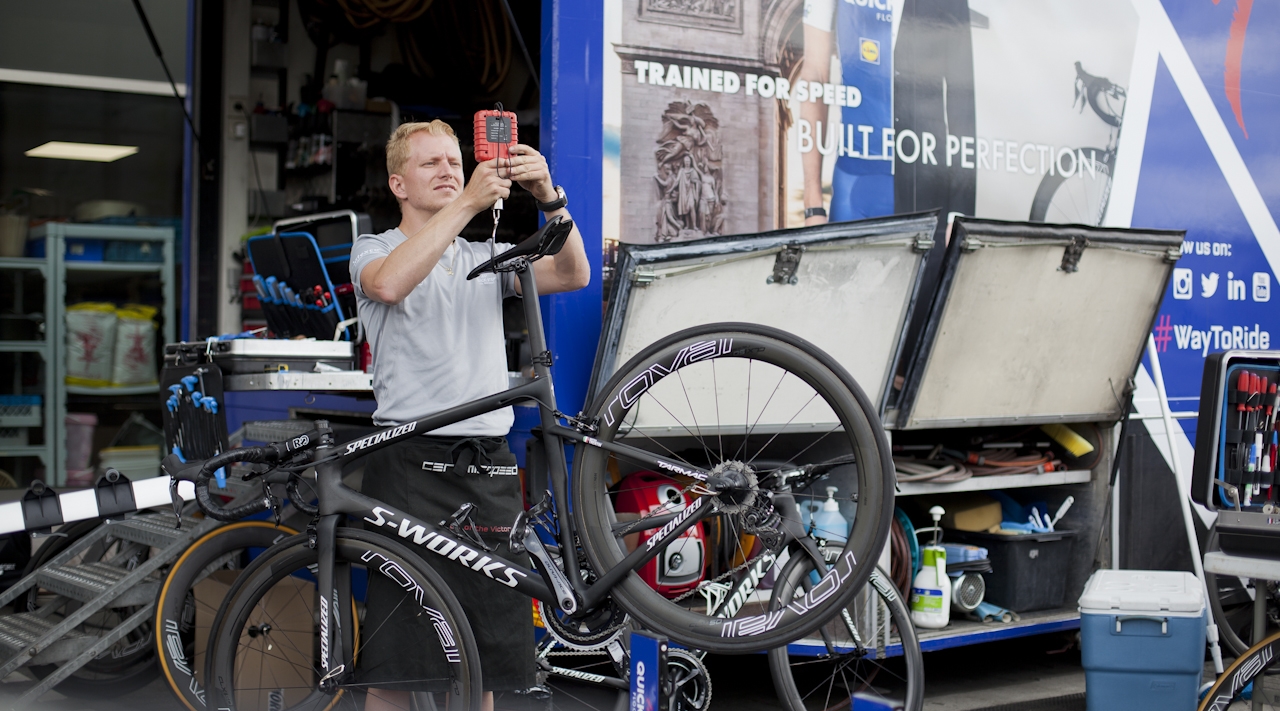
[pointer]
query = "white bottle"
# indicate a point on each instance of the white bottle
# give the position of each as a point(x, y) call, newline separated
point(931, 589)
point(828, 523)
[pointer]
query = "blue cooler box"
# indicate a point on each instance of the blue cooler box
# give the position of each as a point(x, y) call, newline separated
point(1142, 640)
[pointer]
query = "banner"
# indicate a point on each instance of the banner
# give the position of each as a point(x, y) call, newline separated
point(739, 116)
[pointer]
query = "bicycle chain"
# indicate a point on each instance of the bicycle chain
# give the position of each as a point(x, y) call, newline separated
point(745, 564)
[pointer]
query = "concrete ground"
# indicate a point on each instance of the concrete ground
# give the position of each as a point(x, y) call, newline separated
point(1031, 674)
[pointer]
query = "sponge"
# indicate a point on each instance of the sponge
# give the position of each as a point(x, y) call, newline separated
point(1075, 444)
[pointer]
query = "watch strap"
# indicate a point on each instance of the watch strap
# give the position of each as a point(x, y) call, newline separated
point(560, 201)
point(815, 212)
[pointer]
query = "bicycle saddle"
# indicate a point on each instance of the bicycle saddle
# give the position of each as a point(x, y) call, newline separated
point(545, 242)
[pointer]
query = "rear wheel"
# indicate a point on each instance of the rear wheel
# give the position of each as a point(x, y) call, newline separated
point(736, 399)
point(1078, 199)
point(267, 648)
point(179, 610)
point(851, 653)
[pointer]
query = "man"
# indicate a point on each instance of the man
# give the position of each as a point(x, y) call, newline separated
point(862, 184)
point(437, 342)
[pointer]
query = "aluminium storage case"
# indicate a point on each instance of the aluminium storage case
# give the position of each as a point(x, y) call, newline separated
point(1142, 640)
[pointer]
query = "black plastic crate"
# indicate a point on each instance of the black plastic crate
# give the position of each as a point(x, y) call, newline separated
point(1028, 572)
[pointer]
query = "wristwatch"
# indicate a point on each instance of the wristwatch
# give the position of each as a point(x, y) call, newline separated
point(814, 212)
point(556, 204)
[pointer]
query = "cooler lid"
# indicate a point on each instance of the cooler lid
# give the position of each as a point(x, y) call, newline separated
point(1035, 323)
point(852, 295)
point(1109, 591)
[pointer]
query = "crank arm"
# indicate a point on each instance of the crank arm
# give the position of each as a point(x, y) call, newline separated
point(566, 600)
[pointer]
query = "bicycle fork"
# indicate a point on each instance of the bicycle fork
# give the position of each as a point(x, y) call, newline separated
point(337, 622)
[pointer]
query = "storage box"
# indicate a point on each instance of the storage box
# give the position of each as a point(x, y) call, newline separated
point(120, 250)
point(272, 662)
point(77, 249)
point(1142, 640)
point(21, 411)
point(1028, 572)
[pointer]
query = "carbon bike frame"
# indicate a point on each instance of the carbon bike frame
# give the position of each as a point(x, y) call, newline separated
point(337, 500)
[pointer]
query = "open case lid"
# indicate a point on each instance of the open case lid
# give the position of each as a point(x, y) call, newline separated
point(852, 295)
point(1035, 323)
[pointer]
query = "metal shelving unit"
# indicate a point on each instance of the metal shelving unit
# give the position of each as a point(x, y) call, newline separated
point(59, 272)
point(46, 452)
point(992, 483)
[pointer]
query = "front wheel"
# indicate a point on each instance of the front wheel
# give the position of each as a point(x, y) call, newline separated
point(1251, 681)
point(267, 649)
point(870, 647)
point(737, 399)
point(180, 610)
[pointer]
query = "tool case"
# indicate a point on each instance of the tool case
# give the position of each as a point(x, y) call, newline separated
point(1236, 450)
point(264, 355)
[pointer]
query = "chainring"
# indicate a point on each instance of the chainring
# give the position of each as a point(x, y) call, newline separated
point(586, 633)
point(690, 680)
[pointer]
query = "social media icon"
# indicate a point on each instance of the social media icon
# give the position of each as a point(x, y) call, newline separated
point(1261, 286)
point(1183, 283)
point(1208, 284)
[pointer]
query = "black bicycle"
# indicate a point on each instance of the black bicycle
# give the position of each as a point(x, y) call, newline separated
point(710, 406)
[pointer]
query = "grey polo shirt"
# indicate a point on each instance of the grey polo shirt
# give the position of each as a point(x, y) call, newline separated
point(443, 345)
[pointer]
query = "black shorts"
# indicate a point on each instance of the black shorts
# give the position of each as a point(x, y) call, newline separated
point(417, 476)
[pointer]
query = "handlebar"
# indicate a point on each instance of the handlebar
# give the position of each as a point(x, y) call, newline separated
point(200, 472)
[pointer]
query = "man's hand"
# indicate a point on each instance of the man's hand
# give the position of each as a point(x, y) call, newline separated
point(488, 184)
point(529, 168)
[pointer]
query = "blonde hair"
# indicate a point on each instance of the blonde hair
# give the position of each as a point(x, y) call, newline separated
point(398, 144)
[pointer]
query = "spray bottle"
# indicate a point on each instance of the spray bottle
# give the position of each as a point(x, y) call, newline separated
point(931, 589)
point(828, 523)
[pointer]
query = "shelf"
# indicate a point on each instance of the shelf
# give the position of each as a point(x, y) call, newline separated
point(23, 346)
point(26, 451)
point(123, 267)
point(109, 391)
point(23, 263)
point(961, 633)
point(1005, 481)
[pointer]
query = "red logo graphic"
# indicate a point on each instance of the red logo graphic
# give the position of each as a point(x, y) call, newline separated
point(1235, 54)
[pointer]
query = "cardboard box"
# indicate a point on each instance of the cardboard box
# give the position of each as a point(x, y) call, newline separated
point(274, 667)
point(971, 512)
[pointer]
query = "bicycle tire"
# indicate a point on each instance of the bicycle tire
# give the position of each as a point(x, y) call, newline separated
point(761, 354)
point(1232, 606)
point(1257, 663)
point(828, 682)
point(1087, 205)
point(177, 607)
point(294, 558)
point(128, 665)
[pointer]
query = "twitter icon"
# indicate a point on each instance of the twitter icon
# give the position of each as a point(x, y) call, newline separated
point(1208, 284)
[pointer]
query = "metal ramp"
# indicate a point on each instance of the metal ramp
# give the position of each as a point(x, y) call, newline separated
point(74, 591)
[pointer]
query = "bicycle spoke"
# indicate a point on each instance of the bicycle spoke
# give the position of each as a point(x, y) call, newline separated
point(715, 390)
point(743, 448)
point(783, 427)
point(694, 415)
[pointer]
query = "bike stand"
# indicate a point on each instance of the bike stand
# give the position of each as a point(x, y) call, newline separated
point(83, 590)
point(650, 689)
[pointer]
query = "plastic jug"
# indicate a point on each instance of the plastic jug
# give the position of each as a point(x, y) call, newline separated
point(807, 508)
point(931, 588)
point(828, 523)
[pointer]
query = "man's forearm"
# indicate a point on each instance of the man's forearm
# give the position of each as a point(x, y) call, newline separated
point(570, 269)
point(411, 261)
